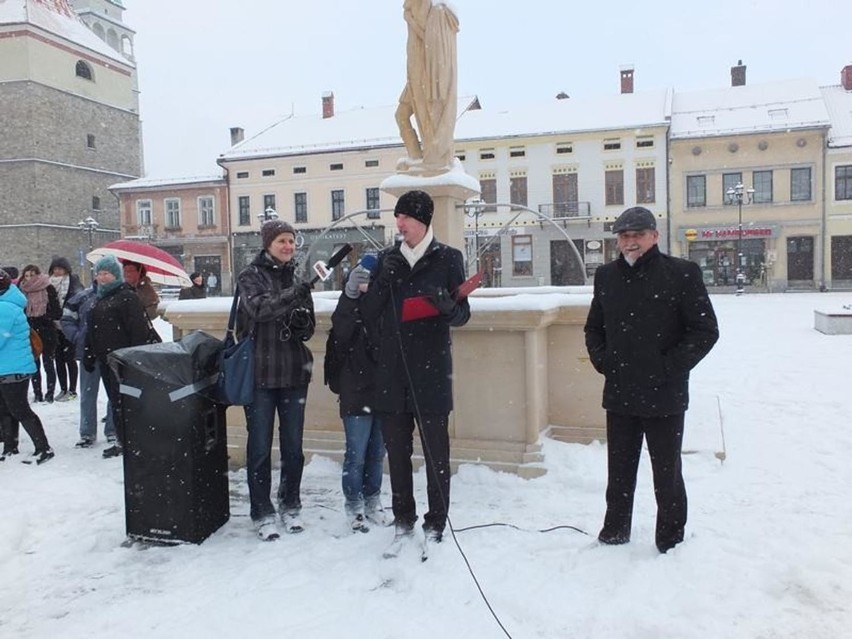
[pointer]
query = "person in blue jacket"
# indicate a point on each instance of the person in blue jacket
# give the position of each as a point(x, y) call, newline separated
point(17, 366)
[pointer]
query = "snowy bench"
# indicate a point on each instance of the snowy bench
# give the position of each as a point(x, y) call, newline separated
point(837, 322)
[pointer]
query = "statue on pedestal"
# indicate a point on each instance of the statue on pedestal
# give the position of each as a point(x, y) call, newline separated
point(430, 92)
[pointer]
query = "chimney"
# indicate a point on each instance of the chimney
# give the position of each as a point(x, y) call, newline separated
point(237, 135)
point(327, 105)
point(846, 77)
point(627, 78)
point(738, 74)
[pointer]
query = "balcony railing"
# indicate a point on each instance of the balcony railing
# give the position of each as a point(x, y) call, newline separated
point(561, 210)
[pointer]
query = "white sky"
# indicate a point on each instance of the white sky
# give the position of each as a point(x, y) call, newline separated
point(768, 552)
point(205, 67)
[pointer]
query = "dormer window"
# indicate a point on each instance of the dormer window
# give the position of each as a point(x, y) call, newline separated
point(84, 70)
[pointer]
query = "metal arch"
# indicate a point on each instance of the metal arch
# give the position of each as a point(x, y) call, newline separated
point(506, 226)
point(346, 218)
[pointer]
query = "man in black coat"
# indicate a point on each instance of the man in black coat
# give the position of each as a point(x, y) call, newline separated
point(649, 324)
point(409, 309)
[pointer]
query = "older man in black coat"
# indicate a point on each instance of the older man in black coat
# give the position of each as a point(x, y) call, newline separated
point(649, 324)
point(409, 310)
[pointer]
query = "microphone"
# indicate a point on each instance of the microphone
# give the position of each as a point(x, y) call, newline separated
point(323, 271)
point(369, 261)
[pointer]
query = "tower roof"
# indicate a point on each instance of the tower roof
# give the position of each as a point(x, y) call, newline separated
point(58, 18)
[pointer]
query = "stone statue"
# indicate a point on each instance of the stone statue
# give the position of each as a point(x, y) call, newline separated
point(430, 92)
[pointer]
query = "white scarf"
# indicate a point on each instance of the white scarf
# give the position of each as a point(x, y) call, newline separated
point(61, 285)
point(411, 255)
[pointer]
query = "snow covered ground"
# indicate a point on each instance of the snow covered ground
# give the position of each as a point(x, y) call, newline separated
point(768, 551)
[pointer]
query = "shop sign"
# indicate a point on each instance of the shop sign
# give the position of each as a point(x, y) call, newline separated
point(711, 233)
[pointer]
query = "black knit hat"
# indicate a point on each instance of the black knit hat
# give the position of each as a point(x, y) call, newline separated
point(5, 281)
point(272, 229)
point(416, 204)
point(59, 262)
point(637, 218)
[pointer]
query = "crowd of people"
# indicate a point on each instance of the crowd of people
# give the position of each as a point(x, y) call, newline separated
point(650, 322)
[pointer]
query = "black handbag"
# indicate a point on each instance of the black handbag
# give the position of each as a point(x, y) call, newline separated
point(235, 384)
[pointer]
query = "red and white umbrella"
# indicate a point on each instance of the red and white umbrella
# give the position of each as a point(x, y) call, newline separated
point(162, 268)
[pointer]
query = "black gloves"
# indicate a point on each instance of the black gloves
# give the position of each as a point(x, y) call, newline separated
point(392, 265)
point(89, 365)
point(443, 301)
point(303, 292)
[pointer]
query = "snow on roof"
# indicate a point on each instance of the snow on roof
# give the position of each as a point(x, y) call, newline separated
point(776, 106)
point(57, 17)
point(154, 182)
point(372, 127)
point(838, 101)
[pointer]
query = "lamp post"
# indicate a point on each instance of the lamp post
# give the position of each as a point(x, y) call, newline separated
point(474, 208)
point(268, 214)
point(88, 226)
point(737, 194)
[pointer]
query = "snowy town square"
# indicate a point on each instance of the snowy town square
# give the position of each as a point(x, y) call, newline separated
point(768, 549)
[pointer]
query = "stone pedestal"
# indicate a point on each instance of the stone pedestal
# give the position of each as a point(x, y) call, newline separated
point(448, 191)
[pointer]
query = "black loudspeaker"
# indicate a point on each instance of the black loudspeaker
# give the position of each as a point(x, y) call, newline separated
point(175, 448)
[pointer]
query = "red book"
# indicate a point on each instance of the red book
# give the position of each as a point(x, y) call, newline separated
point(421, 307)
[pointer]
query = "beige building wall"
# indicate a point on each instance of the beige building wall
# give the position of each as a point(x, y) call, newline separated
point(776, 223)
point(838, 223)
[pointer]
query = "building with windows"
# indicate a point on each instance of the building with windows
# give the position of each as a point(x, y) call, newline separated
point(769, 138)
point(187, 218)
point(70, 116)
point(838, 196)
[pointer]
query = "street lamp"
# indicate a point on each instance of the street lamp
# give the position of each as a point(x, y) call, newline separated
point(268, 214)
point(474, 208)
point(88, 226)
point(737, 194)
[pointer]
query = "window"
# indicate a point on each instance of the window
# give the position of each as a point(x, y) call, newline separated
point(172, 213)
point(517, 152)
point(522, 264)
point(645, 142)
point(300, 169)
point(143, 212)
point(96, 203)
point(83, 70)
point(337, 166)
point(564, 147)
point(269, 202)
point(612, 144)
point(518, 190)
point(373, 203)
point(843, 182)
point(800, 185)
point(267, 172)
point(486, 154)
point(205, 211)
point(90, 141)
point(244, 210)
point(614, 187)
point(729, 181)
point(696, 191)
point(488, 193)
point(565, 194)
point(762, 183)
point(461, 156)
point(242, 175)
point(371, 163)
point(337, 204)
point(646, 186)
point(300, 206)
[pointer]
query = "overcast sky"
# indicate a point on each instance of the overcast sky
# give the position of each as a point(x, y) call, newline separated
point(207, 66)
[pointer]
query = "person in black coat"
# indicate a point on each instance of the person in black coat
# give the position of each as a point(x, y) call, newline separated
point(349, 368)
point(414, 358)
point(67, 285)
point(194, 292)
point(117, 320)
point(43, 310)
point(650, 322)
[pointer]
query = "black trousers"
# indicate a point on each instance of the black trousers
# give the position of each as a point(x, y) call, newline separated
point(65, 364)
point(664, 436)
point(398, 433)
point(112, 386)
point(14, 408)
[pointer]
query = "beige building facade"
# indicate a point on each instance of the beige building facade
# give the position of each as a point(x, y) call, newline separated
point(838, 167)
